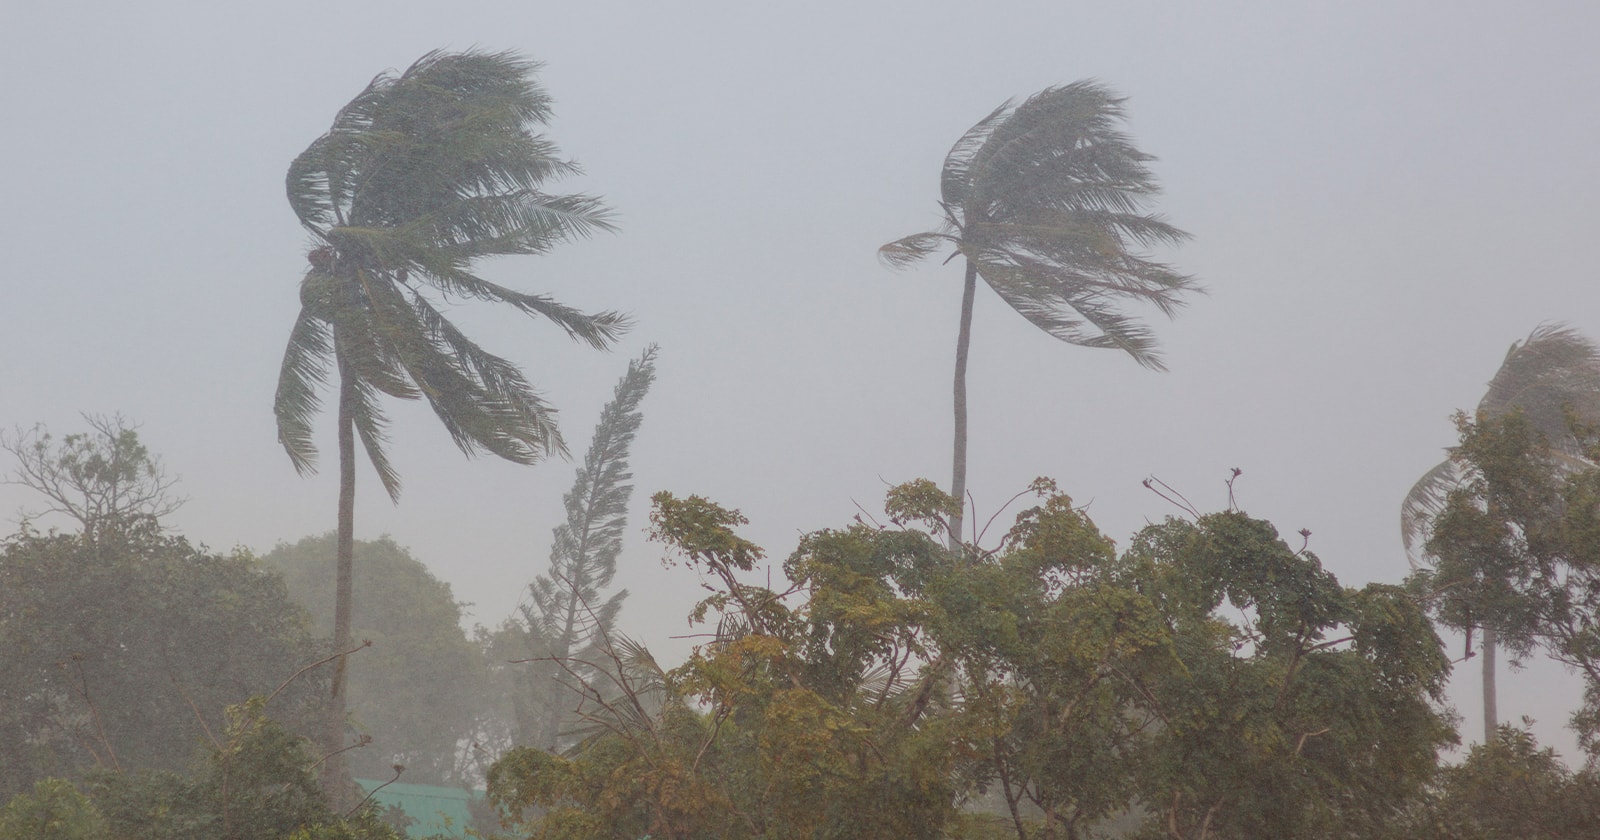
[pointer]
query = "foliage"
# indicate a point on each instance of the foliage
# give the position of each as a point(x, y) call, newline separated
point(1302, 708)
point(1044, 201)
point(104, 479)
point(1211, 679)
point(1518, 548)
point(55, 810)
point(1549, 380)
point(256, 782)
point(121, 654)
point(566, 623)
point(1508, 787)
point(418, 690)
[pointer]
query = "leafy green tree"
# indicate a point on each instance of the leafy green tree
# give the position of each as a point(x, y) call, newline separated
point(1519, 542)
point(1212, 682)
point(1301, 708)
point(255, 782)
point(1507, 787)
point(420, 176)
point(124, 658)
point(567, 621)
point(1044, 201)
point(54, 810)
point(1549, 379)
point(419, 691)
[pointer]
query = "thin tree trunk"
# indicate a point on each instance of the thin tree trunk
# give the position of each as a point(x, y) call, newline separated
point(1491, 717)
point(334, 782)
point(958, 470)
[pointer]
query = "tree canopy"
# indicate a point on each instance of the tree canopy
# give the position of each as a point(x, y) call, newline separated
point(1210, 681)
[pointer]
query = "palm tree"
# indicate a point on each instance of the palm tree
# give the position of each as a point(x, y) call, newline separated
point(1550, 378)
point(421, 175)
point(1045, 201)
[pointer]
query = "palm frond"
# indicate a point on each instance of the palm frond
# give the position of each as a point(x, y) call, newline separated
point(955, 180)
point(911, 249)
point(371, 428)
point(1554, 372)
point(1425, 501)
point(1072, 307)
point(303, 372)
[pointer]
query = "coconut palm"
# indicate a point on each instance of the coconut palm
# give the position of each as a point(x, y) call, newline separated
point(1044, 201)
point(1550, 378)
point(421, 175)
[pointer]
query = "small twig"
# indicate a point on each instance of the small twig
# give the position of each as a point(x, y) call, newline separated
point(360, 742)
point(398, 769)
point(1175, 498)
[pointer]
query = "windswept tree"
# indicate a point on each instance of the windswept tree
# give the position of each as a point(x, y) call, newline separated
point(105, 479)
point(1551, 379)
point(567, 620)
point(420, 176)
point(1045, 202)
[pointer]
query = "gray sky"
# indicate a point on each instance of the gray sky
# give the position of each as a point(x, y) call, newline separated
point(1383, 197)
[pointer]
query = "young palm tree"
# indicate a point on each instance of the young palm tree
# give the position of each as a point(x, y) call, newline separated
point(421, 175)
point(1044, 201)
point(1551, 376)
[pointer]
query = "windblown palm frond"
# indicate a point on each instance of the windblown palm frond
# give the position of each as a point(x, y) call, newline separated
point(1046, 200)
point(421, 175)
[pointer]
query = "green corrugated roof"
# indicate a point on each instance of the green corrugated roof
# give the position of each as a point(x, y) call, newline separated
point(437, 810)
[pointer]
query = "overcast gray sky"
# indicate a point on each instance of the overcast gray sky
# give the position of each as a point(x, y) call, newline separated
point(1383, 196)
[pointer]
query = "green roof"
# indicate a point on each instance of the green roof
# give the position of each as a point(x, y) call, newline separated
point(437, 810)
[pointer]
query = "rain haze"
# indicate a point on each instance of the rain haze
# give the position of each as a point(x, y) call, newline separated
point(1382, 198)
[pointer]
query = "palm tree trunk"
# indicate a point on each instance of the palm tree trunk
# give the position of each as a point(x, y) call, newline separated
point(334, 782)
point(1491, 717)
point(958, 469)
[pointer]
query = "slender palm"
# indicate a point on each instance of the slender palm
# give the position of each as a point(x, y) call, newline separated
point(1044, 201)
point(421, 175)
point(1549, 378)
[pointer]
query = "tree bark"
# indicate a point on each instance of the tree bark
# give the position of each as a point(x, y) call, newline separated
point(958, 469)
point(1491, 717)
point(334, 782)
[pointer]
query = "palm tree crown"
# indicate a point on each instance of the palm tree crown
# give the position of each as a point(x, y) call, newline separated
point(422, 174)
point(1045, 202)
point(1044, 199)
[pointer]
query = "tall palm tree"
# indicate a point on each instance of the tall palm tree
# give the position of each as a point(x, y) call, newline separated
point(422, 174)
point(1044, 201)
point(1550, 377)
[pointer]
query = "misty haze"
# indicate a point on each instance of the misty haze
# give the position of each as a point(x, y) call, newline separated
point(1024, 420)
